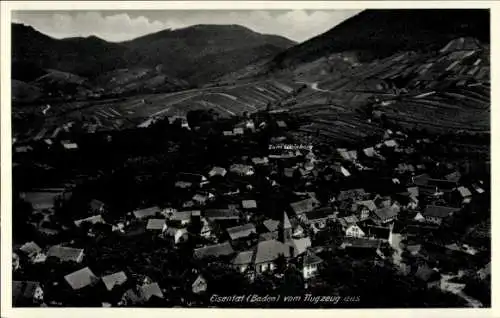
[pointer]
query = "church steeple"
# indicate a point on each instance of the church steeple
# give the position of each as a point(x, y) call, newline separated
point(285, 234)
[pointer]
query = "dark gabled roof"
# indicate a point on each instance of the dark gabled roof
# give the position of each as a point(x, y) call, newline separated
point(243, 258)
point(421, 179)
point(386, 213)
point(221, 214)
point(241, 231)
point(81, 278)
point(355, 194)
point(64, 253)
point(454, 176)
point(377, 232)
point(367, 203)
point(30, 248)
point(304, 206)
point(271, 225)
point(438, 211)
point(216, 250)
point(112, 280)
point(268, 251)
point(320, 213)
point(155, 224)
point(310, 259)
point(147, 212)
point(351, 242)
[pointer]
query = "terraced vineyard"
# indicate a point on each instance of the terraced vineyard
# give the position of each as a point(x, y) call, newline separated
point(114, 114)
point(440, 91)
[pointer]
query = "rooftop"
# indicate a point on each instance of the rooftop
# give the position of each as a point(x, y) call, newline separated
point(81, 278)
point(241, 231)
point(268, 251)
point(438, 211)
point(216, 250)
point(113, 280)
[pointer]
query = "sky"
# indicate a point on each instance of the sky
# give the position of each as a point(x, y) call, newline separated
point(116, 26)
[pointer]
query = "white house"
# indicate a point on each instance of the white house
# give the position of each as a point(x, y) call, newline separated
point(354, 230)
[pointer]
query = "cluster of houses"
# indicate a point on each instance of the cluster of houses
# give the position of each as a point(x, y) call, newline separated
point(232, 234)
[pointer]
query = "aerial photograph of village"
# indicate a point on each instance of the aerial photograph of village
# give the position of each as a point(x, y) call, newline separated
point(251, 158)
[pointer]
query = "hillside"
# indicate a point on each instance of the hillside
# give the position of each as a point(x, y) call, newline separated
point(380, 33)
point(180, 58)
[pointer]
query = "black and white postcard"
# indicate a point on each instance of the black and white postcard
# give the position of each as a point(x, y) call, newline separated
point(291, 157)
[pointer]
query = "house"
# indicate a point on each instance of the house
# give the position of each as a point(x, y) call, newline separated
point(310, 264)
point(300, 246)
point(419, 217)
point(304, 206)
point(281, 124)
point(178, 235)
point(141, 295)
point(347, 221)
point(217, 171)
point(206, 228)
point(192, 178)
point(183, 184)
point(249, 204)
point(463, 194)
point(243, 260)
point(353, 230)
point(214, 215)
point(360, 246)
point(81, 278)
point(318, 218)
point(26, 293)
point(340, 170)
point(68, 145)
point(241, 169)
point(118, 227)
point(267, 252)
point(298, 231)
point(454, 176)
point(391, 143)
point(199, 285)
point(91, 220)
point(238, 131)
point(352, 194)
point(147, 213)
point(381, 233)
point(436, 214)
point(363, 208)
point(112, 280)
point(385, 214)
point(216, 250)
point(202, 199)
point(30, 250)
point(429, 276)
point(156, 225)
point(369, 152)
point(241, 231)
point(260, 161)
point(66, 254)
point(184, 217)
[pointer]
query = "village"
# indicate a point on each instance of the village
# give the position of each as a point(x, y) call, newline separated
point(264, 209)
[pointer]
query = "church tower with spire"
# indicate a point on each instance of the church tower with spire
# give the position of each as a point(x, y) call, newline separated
point(285, 233)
